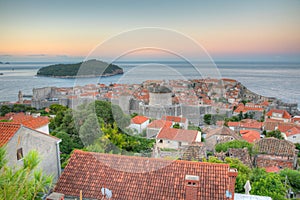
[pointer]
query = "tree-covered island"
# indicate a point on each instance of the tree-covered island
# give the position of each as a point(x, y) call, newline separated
point(90, 68)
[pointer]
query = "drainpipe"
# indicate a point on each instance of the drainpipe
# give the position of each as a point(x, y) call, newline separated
point(58, 158)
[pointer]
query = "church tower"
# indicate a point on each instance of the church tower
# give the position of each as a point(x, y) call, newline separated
point(20, 97)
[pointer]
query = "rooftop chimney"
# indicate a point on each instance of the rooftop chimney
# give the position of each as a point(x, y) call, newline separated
point(191, 187)
point(232, 178)
point(55, 196)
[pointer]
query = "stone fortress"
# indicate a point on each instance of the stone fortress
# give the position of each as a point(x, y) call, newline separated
point(188, 98)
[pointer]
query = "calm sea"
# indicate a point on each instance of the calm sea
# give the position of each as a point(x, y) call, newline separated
point(281, 80)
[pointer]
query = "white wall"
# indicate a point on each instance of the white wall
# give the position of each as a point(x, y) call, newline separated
point(294, 138)
point(44, 129)
point(28, 139)
point(139, 127)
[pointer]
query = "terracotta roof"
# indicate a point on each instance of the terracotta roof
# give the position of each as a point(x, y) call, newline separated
point(30, 121)
point(272, 169)
point(250, 135)
point(222, 131)
point(296, 119)
point(174, 119)
point(274, 146)
point(292, 131)
point(159, 124)
point(242, 108)
point(141, 178)
point(139, 119)
point(284, 113)
point(270, 126)
point(247, 124)
point(178, 134)
point(7, 131)
point(284, 127)
point(233, 124)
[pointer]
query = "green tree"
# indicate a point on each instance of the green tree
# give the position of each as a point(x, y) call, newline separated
point(275, 134)
point(207, 119)
point(55, 108)
point(26, 182)
point(90, 130)
point(4, 110)
point(18, 108)
point(240, 116)
point(176, 125)
point(270, 184)
point(293, 178)
point(297, 145)
point(236, 144)
point(243, 173)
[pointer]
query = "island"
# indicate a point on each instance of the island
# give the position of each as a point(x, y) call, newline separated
point(86, 69)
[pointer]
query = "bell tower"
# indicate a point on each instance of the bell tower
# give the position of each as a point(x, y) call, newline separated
point(20, 97)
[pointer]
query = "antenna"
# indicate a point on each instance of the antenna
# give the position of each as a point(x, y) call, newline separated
point(106, 192)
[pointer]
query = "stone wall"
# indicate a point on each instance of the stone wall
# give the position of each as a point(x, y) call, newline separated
point(271, 161)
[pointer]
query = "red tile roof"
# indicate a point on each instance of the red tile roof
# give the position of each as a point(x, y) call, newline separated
point(292, 131)
point(272, 169)
point(284, 113)
point(174, 119)
point(178, 134)
point(139, 119)
point(296, 119)
point(30, 121)
point(159, 124)
point(242, 108)
point(141, 178)
point(250, 135)
point(7, 131)
point(224, 131)
point(284, 127)
point(246, 124)
point(274, 146)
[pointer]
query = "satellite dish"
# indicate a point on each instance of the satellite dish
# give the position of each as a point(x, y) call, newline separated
point(106, 192)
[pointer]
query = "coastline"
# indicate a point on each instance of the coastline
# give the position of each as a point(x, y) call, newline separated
point(83, 76)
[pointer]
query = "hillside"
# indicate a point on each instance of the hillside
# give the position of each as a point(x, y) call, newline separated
point(90, 68)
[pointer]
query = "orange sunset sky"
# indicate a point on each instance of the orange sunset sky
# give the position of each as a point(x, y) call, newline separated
point(41, 30)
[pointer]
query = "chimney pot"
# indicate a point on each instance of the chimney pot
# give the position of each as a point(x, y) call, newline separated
point(191, 187)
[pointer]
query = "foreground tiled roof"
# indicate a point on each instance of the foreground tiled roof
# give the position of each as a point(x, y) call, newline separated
point(178, 134)
point(141, 178)
point(30, 121)
point(274, 146)
point(159, 124)
point(139, 119)
point(7, 131)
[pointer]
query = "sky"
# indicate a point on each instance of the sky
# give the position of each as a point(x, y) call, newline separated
point(260, 30)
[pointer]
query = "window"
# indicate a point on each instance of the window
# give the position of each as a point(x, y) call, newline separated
point(160, 141)
point(19, 154)
point(294, 136)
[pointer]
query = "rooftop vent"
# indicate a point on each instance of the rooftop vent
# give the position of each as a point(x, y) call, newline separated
point(191, 187)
